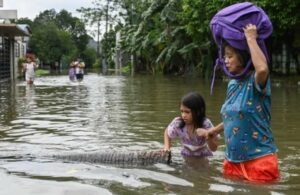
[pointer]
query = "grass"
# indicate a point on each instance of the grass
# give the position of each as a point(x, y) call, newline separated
point(42, 72)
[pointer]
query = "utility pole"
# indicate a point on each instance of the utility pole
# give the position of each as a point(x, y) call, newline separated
point(98, 37)
point(131, 54)
point(104, 60)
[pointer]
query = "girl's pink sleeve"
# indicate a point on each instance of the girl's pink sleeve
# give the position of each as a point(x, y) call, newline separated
point(173, 128)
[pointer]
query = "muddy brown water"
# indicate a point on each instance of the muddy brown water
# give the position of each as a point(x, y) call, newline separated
point(118, 113)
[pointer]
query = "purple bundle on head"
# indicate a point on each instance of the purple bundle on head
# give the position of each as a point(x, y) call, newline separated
point(227, 25)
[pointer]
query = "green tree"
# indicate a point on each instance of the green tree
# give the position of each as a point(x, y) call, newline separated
point(286, 32)
point(103, 11)
point(65, 36)
point(50, 44)
point(75, 27)
point(89, 56)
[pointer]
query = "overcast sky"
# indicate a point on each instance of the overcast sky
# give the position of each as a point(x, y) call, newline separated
point(31, 8)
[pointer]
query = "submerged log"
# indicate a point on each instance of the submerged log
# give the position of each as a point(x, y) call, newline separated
point(140, 158)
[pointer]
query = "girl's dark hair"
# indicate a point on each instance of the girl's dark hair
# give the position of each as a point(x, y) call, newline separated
point(196, 103)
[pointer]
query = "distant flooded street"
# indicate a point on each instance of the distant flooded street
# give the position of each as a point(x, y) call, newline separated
point(118, 113)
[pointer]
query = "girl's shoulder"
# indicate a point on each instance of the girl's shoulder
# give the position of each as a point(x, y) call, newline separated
point(177, 118)
point(176, 121)
point(207, 123)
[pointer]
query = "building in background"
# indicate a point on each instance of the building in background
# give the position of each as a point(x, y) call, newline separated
point(13, 44)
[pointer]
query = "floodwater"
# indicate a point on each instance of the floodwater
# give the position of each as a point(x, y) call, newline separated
point(118, 113)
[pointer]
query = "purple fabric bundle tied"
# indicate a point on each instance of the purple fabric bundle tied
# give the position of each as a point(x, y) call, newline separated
point(228, 25)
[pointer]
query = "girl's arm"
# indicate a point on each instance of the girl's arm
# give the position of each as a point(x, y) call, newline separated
point(212, 143)
point(24, 67)
point(210, 135)
point(211, 132)
point(35, 65)
point(215, 130)
point(167, 141)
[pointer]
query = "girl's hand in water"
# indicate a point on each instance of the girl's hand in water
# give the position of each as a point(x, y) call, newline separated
point(166, 150)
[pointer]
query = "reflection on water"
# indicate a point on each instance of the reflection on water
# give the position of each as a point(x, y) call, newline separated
point(121, 114)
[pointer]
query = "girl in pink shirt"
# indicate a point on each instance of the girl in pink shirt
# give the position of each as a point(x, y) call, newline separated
point(189, 128)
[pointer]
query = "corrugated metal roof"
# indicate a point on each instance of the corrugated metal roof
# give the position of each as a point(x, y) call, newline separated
point(14, 30)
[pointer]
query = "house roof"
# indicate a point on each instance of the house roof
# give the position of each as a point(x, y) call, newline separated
point(14, 30)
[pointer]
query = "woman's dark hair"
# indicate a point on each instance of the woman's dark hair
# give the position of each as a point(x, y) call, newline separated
point(196, 103)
